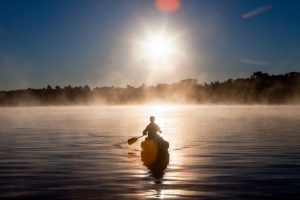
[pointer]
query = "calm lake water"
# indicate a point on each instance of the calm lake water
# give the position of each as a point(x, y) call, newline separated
point(216, 152)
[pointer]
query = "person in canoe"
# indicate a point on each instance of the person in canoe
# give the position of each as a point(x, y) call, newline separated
point(154, 152)
point(152, 129)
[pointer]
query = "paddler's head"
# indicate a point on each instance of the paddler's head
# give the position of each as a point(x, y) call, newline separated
point(152, 119)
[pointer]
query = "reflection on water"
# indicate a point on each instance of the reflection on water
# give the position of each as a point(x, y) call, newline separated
point(216, 152)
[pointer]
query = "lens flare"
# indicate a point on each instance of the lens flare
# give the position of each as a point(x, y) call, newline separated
point(167, 5)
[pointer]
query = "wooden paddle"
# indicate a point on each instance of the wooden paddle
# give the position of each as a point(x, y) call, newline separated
point(133, 140)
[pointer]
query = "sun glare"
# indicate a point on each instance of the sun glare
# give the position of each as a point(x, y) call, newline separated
point(159, 48)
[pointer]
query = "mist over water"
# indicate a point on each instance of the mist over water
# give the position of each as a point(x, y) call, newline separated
point(216, 152)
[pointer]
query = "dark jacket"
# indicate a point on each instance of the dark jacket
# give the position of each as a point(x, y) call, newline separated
point(152, 130)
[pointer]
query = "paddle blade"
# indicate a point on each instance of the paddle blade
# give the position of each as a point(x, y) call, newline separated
point(132, 140)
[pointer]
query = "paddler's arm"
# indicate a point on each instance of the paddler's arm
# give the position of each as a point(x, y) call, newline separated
point(145, 131)
point(158, 129)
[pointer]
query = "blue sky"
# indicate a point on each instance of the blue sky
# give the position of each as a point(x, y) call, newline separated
point(89, 42)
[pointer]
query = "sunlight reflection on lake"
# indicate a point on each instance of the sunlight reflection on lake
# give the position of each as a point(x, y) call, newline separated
point(215, 152)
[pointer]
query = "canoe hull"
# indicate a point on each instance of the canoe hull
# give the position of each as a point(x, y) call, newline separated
point(158, 145)
point(155, 156)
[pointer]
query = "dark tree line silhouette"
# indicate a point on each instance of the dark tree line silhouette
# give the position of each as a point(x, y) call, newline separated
point(259, 88)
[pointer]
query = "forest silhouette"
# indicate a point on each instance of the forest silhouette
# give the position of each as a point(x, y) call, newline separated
point(259, 88)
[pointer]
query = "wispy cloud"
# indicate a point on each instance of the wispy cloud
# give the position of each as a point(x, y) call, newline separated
point(257, 11)
point(254, 62)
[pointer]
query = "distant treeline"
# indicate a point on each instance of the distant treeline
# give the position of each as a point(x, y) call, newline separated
point(259, 88)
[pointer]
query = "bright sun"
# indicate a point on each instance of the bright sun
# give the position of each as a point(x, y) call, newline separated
point(159, 48)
